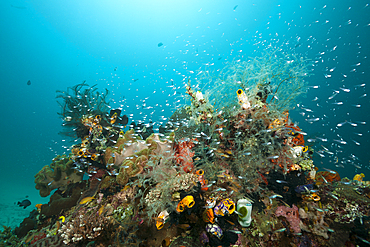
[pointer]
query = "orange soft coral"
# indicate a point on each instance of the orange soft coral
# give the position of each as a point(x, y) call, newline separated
point(184, 154)
point(329, 177)
point(298, 140)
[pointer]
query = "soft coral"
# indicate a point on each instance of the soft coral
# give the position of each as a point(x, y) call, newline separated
point(184, 154)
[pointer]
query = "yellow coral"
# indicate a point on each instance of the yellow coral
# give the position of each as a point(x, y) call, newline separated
point(359, 177)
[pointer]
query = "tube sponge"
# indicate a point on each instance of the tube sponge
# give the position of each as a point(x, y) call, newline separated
point(244, 207)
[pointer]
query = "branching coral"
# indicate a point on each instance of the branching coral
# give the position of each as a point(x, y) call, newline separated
point(8, 237)
point(51, 241)
point(87, 224)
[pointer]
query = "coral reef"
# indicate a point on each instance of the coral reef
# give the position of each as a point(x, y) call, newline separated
point(229, 168)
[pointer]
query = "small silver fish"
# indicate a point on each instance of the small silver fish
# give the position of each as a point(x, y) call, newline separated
point(324, 179)
point(331, 97)
point(274, 196)
point(363, 240)
point(340, 141)
point(357, 143)
point(331, 171)
point(347, 183)
point(238, 213)
point(318, 209)
point(280, 230)
point(219, 189)
point(273, 157)
point(334, 196)
point(281, 181)
point(235, 231)
point(313, 119)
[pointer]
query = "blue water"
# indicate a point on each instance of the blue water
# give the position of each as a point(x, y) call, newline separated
point(57, 44)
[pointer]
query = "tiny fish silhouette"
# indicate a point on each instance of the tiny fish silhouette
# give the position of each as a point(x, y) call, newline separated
point(29, 82)
point(25, 203)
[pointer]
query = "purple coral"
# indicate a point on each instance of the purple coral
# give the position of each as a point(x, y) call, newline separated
point(292, 216)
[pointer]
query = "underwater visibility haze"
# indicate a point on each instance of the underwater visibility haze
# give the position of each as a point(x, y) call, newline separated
point(185, 123)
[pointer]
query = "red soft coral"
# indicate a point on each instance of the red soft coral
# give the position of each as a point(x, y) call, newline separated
point(292, 216)
point(184, 155)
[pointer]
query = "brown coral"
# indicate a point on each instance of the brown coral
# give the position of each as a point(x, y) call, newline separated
point(319, 226)
point(57, 175)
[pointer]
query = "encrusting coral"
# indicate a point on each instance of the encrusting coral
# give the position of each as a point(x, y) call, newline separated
point(63, 200)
